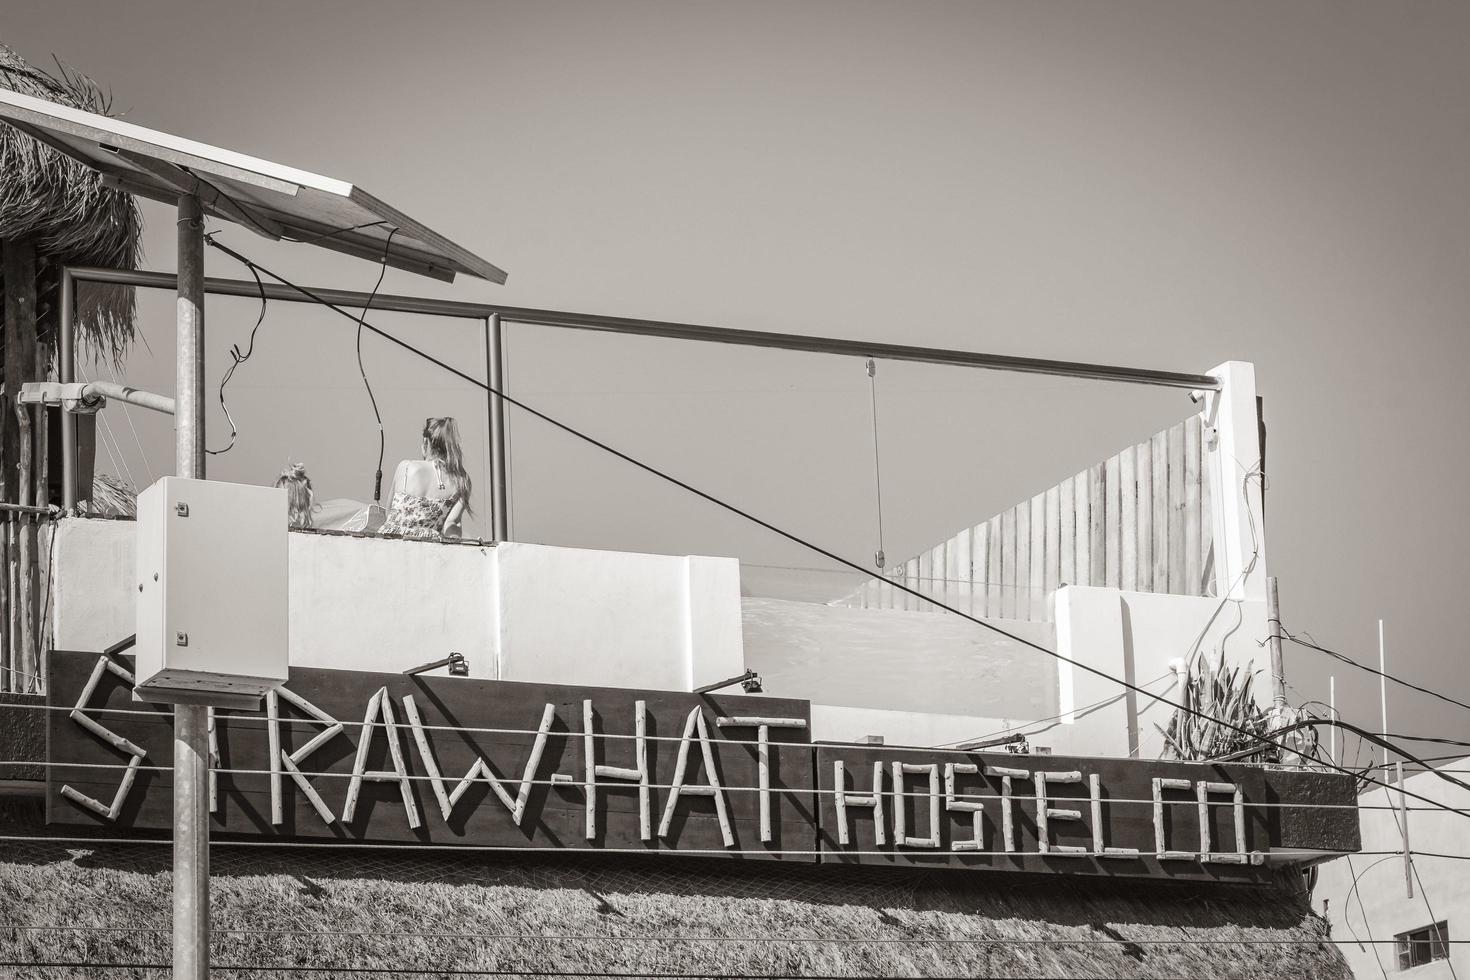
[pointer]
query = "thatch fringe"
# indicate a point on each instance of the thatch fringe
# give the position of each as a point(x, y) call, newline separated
point(62, 207)
point(338, 907)
point(112, 497)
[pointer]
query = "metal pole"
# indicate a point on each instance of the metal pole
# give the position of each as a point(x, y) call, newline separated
point(191, 722)
point(1383, 692)
point(1278, 671)
point(1404, 827)
point(1332, 730)
point(66, 353)
point(189, 375)
point(499, 479)
point(668, 330)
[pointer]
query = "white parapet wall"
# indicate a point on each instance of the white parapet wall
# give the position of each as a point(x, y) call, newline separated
point(517, 611)
point(1142, 637)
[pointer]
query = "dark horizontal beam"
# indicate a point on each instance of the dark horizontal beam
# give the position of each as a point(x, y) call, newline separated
point(668, 330)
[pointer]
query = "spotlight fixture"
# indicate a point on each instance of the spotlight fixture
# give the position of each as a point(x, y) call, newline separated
point(458, 666)
point(750, 681)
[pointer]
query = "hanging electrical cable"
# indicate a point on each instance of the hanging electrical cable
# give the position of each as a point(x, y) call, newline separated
point(377, 415)
point(872, 368)
point(238, 357)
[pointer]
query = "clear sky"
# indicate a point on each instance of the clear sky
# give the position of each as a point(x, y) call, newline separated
point(1165, 185)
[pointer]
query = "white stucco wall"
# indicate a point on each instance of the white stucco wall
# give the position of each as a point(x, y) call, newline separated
point(1380, 906)
point(517, 611)
point(1141, 636)
point(616, 619)
point(901, 661)
point(841, 723)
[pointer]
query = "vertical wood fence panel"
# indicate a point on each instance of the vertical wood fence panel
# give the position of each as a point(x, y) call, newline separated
point(1139, 521)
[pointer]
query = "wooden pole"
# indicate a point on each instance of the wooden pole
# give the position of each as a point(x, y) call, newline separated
point(25, 598)
point(43, 499)
point(8, 677)
point(19, 264)
point(191, 722)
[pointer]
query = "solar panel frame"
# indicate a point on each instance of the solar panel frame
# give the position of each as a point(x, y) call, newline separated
point(271, 199)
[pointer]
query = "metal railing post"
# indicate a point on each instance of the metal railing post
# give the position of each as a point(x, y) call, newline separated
point(66, 354)
point(499, 475)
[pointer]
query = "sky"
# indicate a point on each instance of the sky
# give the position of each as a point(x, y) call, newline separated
point(1163, 185)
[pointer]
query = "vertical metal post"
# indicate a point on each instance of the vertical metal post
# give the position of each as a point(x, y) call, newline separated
point(66, 354)
point(1278, 670)
point(1332, 731)
point(1383, 692)
point(191, 722)
point(1404, 827)
point(499, 480)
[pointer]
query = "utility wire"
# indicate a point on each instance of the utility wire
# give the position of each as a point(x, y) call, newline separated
point(791, 536)
point(1372, 670)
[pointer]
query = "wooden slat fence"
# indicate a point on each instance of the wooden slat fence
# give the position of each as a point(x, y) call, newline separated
point(1138, 521)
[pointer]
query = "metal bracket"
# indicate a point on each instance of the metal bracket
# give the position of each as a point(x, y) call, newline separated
point(70, 397)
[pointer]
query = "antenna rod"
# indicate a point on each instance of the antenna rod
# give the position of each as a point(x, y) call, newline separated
point(1383, 692)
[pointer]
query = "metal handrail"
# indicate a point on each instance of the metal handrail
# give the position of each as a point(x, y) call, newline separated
point(494, 315)
point(666, 328)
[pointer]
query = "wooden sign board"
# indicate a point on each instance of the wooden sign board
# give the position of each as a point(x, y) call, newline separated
point(1046, 813)
point(370, 757)
point(348, 756)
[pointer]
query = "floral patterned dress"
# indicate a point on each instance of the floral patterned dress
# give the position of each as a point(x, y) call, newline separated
point(416, 517)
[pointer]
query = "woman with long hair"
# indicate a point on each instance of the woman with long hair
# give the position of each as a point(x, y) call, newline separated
point(431, 495)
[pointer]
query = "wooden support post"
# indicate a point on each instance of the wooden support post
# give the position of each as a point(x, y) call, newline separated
point(19, 271)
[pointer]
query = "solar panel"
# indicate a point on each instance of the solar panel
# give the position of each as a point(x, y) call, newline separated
point(273, 200)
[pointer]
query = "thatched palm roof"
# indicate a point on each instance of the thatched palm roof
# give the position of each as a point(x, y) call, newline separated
point(63, 207)
point(330, 908)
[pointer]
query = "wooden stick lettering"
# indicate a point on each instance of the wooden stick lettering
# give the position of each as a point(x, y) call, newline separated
point(1099, 846)
point(291, 763)
point(900, 817)
point(696, 724)
point(842, 799)
point(137, 755)
point(480, 769)
point(1161, 843)
point(637, 774)
point(763, 728)
point(973, 808)
point(1045, 812)
point(1007, 818)
point(380, 715)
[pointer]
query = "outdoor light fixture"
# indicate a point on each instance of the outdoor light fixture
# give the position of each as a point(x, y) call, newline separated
point(750, 681)
point(458, 666)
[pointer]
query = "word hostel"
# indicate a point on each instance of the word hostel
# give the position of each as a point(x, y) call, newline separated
point(622, 770)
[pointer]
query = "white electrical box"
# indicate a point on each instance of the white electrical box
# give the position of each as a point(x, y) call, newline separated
point(212, 588)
